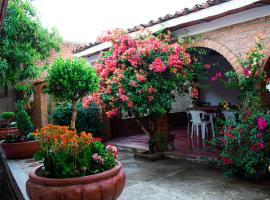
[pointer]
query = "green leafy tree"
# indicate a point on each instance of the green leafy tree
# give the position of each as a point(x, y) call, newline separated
point(70, 80)
point(23, 42)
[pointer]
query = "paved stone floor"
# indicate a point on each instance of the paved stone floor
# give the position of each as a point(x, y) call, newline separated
point(180, 179)
point(165, 180)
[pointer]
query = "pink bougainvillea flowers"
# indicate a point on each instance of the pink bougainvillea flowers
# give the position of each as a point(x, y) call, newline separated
point(262, 123)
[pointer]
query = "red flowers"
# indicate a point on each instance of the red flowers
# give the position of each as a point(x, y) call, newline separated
point(157, 65)
point(226, 160)
point(229, 135)
point(195, 92)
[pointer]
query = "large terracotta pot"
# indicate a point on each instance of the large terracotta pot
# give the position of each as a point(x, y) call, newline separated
point(107, 185)
point(5, 131)
point(20, 150)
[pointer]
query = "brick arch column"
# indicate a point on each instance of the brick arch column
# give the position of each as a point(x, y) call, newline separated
point(40, 110)
point(266, 62)
point(221, 49)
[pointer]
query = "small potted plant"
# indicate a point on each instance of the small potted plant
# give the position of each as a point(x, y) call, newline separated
point(75, 166)
point(8, 126)
point(23, 145)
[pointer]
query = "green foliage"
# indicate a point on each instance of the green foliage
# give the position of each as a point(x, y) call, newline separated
point(7, 115)
point(88, 119)
point(71, 79)
point(23, 41)
point(23, 120)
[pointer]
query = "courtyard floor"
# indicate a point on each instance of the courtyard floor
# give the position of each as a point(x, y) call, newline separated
point(169, 179)
point(166, 179)
point(185, 147)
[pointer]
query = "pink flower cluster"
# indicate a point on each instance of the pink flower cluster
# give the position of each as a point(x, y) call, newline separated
point(112, 112)
point(262, 123)
point(98, 158)
point(218, 75)
point(157, 65)
point(111, 148)
point(127, 65)
point(247, 72)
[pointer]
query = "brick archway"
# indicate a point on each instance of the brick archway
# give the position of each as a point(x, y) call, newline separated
point(224, 51)
point(266, 63)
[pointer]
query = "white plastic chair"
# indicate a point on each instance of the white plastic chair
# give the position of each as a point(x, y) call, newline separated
point(189, 122)
point(229, 116)
point(199, 119)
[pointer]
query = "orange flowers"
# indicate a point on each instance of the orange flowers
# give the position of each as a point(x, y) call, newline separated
point(60, 137)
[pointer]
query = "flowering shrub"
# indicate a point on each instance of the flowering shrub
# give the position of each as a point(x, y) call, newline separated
point(248, 81)
point(245, 146)
point(64, 153)
point(139, 74)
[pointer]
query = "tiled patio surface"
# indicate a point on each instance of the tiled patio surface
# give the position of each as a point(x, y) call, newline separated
point(168, 179)
point(184, 146)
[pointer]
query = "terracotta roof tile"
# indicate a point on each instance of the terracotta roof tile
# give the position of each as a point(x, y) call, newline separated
point(185, 11)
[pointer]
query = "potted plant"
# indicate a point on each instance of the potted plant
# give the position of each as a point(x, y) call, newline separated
point(23, 145)
point(7, 126)
point(75, 166)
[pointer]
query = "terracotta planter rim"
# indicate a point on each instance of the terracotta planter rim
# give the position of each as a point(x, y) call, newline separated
point(7, 128)
point(16, 143)
point(75, 180)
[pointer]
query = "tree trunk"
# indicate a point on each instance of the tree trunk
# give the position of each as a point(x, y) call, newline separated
point(74, 115)
point(147, 132)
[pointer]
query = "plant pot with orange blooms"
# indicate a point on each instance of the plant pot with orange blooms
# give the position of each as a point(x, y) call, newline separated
point(20, 144)
point(75, 166)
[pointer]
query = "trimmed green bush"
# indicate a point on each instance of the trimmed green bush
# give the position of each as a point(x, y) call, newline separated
point(7, 115)
point(88, 120)
point(23, 120)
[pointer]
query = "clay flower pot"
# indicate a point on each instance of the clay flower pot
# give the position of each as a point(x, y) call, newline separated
point(5, 131)
point(107, 185)
point(20, 150)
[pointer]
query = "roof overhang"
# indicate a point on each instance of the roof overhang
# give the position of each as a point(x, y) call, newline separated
point(198, 17)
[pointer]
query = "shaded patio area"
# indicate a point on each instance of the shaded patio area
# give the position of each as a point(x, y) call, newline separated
point(185, 147)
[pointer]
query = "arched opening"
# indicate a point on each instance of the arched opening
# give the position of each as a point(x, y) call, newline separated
point(212, 90)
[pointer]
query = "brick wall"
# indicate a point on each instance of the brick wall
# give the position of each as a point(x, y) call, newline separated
point(7, 103)
point(239, 38)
